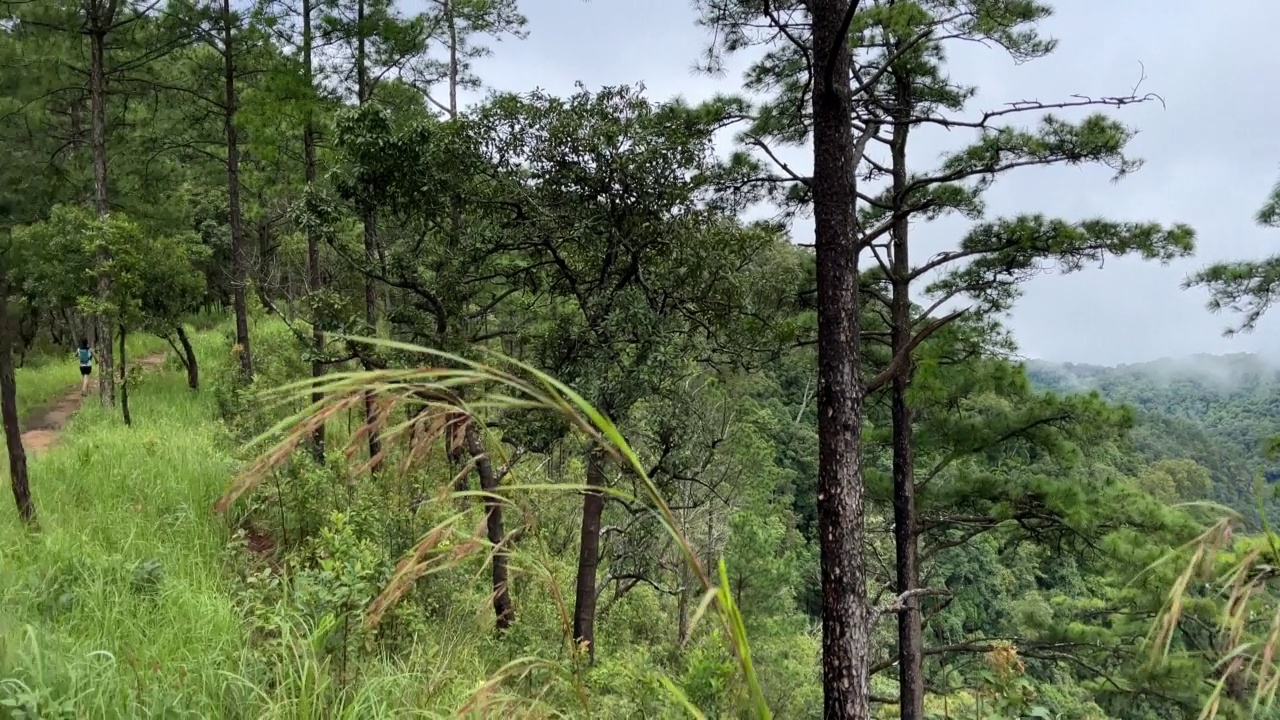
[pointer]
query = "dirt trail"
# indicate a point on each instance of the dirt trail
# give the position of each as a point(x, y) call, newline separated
point(42, 428)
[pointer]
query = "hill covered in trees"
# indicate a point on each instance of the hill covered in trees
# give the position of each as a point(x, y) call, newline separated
point(1218, 411)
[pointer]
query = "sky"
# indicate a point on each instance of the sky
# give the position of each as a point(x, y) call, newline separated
point(1211, 149)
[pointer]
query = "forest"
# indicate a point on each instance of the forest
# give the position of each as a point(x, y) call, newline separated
point(1217, 411)
point(330, 391)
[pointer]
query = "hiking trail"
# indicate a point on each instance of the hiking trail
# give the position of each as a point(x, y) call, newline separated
point(44, 426)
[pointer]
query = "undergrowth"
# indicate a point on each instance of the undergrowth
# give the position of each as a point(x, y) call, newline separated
point(136, 600)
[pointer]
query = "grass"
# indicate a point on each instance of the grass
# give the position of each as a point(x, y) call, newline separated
point(121, 599)
point(44, 380)
point(129, 603)
point(507, 384)
point(132, 602)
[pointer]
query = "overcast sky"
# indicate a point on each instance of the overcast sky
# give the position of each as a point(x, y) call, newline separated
point(1212, 151)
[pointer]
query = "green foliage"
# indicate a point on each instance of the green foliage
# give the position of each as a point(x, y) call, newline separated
point(1215, 411)
point(1248, 288)
point(601, 239)
point(1012, 251)
point(153, 277)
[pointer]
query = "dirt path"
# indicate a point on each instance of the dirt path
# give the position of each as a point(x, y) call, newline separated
point(42, 428)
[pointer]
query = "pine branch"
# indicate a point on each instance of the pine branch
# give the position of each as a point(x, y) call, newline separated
point(903, 602)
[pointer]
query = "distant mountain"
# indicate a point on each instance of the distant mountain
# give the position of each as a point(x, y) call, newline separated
point(1215, 409)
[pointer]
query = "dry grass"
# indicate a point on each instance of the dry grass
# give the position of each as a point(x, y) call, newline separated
point(1234, 575)
point(445, 393)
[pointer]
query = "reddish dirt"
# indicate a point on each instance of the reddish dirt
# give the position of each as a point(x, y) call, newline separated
point(45, 425)
point(259, 543)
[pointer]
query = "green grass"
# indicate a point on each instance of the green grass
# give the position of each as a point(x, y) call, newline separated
point(121, 600)
point(45, 379)
point(131, 601)
point(127, 602)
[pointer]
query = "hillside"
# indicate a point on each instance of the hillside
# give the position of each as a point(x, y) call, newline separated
point(1217, 410)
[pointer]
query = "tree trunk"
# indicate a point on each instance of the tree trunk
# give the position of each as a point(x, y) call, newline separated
point(371, 317)
point(58, 332)
point(452, 19)
point(264, 260)
point(910, 630)
point(239, 263)
point(66, 329)
point(98, 108)
point(28, 328)
point(77, 141)
point(314, 278)
point(18, 478)
point(189, 359)
point(584, 609)
point(846, 617)
point(370, 221)
point(124, 380)
point(502, 609)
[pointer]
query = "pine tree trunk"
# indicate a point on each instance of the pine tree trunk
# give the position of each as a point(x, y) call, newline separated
point(370, 221)
point(910, 629)
point(98, 109)
point(18, 478)
point(314, 278)
point(263, 273)
point(846, 617)
point(452, 19)
point(371, 317)
point(503, 611)
point(124, 380)
point(239, 263)
point(189, 361)
point(584, 609)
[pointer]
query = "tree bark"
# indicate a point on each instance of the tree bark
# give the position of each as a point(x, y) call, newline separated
point(28, 328)
point(452, 19)
point(503, 611)
point(18, 478)
point(239, 263)
point(584, 609)
point(371, 317)
point(189, 361)
point(263, 264)
point(846, 617)
point(98, 109)
point(910, 629)
point(370, 221)
point(124, 384)
point(314, 278)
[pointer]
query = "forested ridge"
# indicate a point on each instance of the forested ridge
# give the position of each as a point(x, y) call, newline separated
point(480, 404)
point(1218, 411)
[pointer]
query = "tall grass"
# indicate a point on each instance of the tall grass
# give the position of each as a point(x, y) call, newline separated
point(123, 605)
point(448, 389)
point(131, 601)
point(1232, 576)
point(121, 601)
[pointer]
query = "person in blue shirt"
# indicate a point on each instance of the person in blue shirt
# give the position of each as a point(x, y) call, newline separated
point(85, 355)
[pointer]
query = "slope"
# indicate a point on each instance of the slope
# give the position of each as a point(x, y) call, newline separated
point(1216, 410)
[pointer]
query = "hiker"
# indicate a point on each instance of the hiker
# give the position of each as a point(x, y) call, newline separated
point(85, 354)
